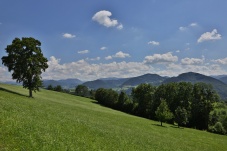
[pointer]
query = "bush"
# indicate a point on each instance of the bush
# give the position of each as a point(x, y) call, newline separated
point(217, 128)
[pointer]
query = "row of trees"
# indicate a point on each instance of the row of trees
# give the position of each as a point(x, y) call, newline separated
point(57, 88)
point(185, 103)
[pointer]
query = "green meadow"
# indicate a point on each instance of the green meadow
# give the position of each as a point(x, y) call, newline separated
point(57, 121)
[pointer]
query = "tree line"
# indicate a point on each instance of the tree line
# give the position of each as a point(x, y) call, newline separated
point(189, 105)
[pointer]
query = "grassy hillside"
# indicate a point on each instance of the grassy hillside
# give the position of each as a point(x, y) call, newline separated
point(57, 121)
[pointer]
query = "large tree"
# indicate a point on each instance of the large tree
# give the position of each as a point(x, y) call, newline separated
point(26, 61)
point(143, 99)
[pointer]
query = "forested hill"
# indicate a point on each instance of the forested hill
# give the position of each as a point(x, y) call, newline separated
point(192, 77)
point(153, 79)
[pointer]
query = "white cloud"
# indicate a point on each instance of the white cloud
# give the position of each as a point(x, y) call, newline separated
point(121, 54)
point(155, 43)
point(120, 26)
point(177, 51)
point(161, 58)
point(221, 61)
point(108, 57)
point(5, 75)
point(67, 35)
point(85, 71)
point(103, 18)
point(83, 52)
point(209, 36)
point(103, 48)
point(192, 61)
point(93, 59)
point(193, 24)
point(184, 28)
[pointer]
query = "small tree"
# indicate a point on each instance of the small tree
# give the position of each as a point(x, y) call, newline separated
point(27, 62)
point(181, 116)
point(82, 90)
point(163, 113)
point(58, 88)
point(50, 87)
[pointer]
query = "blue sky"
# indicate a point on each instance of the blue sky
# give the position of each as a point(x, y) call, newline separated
point(120, 38)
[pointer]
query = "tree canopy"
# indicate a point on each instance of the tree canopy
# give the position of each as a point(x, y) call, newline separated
point(163, 113)
point(26, 61)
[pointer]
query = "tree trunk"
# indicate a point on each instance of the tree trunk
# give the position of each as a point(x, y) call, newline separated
point(30, 93)
point(161, 123)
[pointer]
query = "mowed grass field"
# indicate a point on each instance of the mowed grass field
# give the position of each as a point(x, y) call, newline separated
point(56, 121)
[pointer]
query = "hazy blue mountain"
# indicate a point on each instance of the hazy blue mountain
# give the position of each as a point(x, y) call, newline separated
point(224, 79)
point(97, 84)
point(192, 77)
point(153, 79)
point(66, 83)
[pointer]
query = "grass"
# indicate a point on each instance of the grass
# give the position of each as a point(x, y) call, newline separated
point(58, 121)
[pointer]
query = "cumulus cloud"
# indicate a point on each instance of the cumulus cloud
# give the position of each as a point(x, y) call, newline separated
point(192, 61)
point(5, 75)
point(85, 71)
point(103, 48)
point(213, 35)
point(121, 54)
point(103, 18)
point(67, 35)
point(155, 43)
point(161, 58)
point(108, 57)
point(221, 61)
point(83, 52)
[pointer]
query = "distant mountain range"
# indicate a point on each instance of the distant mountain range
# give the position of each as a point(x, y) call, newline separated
point(66, 84)
point(219, 83)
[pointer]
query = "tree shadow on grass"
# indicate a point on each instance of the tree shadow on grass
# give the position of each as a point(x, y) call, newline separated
point(10, 91)
point(174, 126)
point(160, 125)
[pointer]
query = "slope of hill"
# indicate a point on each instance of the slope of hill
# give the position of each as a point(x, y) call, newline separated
point(192, 77)
point(97, 84)
point(66, 83)
point(153, 79)
point(105, 83)
point(58, 121)
point(224, 79)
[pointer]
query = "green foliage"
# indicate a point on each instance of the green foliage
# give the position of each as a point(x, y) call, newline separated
point(82, 90)
point(58, 88)
point(181, 116)
point(107, 97)
point(163, 113)
point(50, 87)
point(143, 97)
point(27, 62)
point(202, 104)
point(218, 128)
